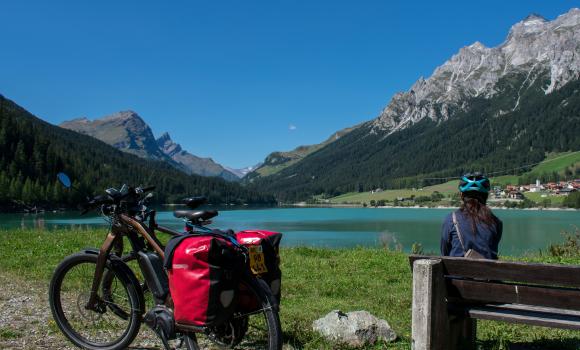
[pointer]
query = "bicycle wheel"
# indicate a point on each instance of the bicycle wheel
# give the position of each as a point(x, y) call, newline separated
point(113, 326)
point(258, 328)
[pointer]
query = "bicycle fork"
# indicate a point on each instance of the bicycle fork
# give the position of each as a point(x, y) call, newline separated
point(93, 302)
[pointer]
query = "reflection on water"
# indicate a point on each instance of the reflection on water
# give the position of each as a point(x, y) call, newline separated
point(38, 222)
point(524, 230)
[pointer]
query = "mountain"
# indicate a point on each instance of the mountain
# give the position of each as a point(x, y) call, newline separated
point(190, 163)
point(277, 161)
point(33, 151)
point(489, 109)
point(124, 130)
point(240, 173)
point(128, 132)
point(535, 48)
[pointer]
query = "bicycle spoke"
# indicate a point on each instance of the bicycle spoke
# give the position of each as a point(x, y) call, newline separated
point(93, 326)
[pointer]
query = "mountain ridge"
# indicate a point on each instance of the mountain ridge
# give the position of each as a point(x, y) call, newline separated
point(191, 163)
point(476, 69)
point(127, 131)
point(279, 160)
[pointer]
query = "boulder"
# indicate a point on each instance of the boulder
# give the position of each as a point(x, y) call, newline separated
point(355, 329)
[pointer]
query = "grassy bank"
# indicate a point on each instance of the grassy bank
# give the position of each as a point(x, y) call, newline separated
point(315, 282)
point(556, 163)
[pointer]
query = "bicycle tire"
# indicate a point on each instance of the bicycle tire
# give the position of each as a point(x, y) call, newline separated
point(268, 309)
point(89, 260)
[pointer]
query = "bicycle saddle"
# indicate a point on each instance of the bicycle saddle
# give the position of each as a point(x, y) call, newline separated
point(193, 215)
point(194, 202)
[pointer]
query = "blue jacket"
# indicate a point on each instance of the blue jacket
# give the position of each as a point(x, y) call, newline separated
point(485, 241)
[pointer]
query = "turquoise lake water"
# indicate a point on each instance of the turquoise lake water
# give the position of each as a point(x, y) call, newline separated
point(524, 230)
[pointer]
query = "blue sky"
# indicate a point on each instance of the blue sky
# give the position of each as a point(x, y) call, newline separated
point(236, 80)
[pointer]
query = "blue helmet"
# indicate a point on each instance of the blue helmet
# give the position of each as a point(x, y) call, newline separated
point(474, 182)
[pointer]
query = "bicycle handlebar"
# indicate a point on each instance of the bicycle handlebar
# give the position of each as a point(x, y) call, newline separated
point(112, 199)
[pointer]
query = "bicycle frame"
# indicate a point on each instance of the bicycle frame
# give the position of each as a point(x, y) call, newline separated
point(132, 229)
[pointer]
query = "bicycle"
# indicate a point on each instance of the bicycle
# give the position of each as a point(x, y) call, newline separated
point(99, 303)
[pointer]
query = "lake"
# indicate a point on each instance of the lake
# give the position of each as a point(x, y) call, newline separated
point(524, 230)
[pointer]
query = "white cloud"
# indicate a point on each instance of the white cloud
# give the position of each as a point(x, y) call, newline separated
point(292, 127)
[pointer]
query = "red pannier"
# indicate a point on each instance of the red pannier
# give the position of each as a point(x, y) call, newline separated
point(264, 256)
point(204, 274)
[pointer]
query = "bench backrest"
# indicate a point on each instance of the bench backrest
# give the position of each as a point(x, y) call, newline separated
point(494, 281)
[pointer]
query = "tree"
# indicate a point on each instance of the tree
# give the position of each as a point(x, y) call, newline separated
point(572, 200)
point(27, 192)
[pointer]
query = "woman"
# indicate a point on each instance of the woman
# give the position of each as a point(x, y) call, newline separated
point(476, 231)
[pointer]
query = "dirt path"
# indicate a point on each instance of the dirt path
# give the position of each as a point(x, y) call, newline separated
point(26, 321)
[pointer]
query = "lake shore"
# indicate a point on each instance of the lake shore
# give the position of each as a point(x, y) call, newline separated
point(335, 205)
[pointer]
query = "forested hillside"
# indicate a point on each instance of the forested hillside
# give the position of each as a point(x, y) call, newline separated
point(33, 152)
point(488, 136)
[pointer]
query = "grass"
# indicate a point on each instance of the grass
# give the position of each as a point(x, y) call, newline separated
point(557, 162)
point(315, 281)
point(537, 197)
point(388, 195)
point(554, 162)
point(268, 170)
point(504, 180)
point(7, 333)
point(446, 188)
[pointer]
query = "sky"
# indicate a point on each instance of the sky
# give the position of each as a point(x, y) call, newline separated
point(237, 80)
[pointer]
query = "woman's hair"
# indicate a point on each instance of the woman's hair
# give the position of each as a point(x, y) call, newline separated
point(474, 205)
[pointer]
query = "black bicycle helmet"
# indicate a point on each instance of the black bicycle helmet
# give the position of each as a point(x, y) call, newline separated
point(474, 182)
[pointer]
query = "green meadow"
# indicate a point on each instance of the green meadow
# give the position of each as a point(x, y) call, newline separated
point(315, 281)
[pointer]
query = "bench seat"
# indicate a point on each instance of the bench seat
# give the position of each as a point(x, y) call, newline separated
point(450, 293)
point(517, 313)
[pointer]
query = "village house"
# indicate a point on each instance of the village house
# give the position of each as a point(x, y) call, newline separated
point(515, 195)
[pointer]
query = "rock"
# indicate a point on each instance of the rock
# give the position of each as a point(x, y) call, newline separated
point(356, 328)
point(535, 48)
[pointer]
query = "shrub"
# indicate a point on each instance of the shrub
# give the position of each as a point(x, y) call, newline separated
point(570, 247)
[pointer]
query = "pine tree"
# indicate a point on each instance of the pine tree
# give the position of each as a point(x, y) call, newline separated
point(28, 192)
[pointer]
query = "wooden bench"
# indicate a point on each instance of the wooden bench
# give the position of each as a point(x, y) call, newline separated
point(449, 294)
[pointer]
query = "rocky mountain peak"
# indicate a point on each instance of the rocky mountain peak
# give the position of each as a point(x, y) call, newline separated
point(535, 48)
point(123, 115)
point(164, 138)
point(532, 24)
point(534, 17)
point(127, 131)
point(167, 145)
point(130, 119)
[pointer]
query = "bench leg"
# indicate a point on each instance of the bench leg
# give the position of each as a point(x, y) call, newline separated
point(462, 331)
point(430, 323)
